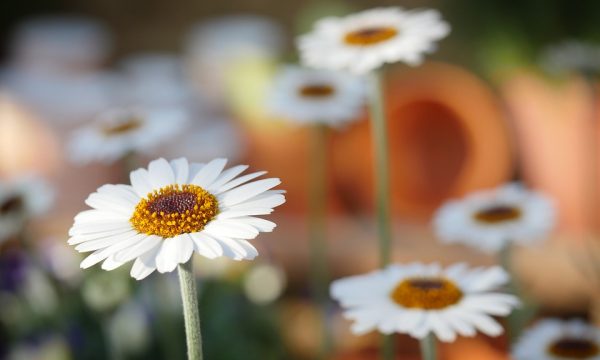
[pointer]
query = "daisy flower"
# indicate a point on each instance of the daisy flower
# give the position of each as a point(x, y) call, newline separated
point(365, 41)
point(171, 210)
point(554, 339)
point(418, 299)
point(572, 56)
point(120, 131)
point(316, 96)
point(20, 200)
point(489, 220)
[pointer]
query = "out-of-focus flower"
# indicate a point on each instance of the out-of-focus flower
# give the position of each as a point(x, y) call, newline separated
point(364, 41)
point(316, 96)
point(572, 56)
point(118, 132)
point(39, 292)
point(170, 211)
point(105, 291)
point(264, 283)
point(52, 347)
point(553, 339)
point(129, 329)
point(216, 48)
point(489, 220)
point(20, 200)
point(418, 299)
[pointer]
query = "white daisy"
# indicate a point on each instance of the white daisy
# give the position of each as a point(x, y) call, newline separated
point(419, 299)
point(572, 56)
point(120, 131)
point(316, 96)
point(171, 210)
point(20, 200)
point(365, 41)
point(489, 220)
point(554, 339)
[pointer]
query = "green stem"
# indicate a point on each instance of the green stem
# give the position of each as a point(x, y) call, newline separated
point(191, 315)
point(382, 181)
point(516, 319)
point(318, 229)
point(428, 347)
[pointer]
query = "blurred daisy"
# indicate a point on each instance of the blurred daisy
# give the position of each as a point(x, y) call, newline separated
point(171, 210)
point(419, 299)
point(316, 96)
point(20, 200)
point(365, 41)
point(572, 56)
point(553, 339)
point(489, 220)
point(121, 131)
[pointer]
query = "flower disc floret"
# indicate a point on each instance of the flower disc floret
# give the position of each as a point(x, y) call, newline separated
point(574, 348)
point(426, 293)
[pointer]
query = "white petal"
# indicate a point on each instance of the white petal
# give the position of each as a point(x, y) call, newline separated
point(146, 243)
point(174, 250)
point(248, 191)
point(161, 173)
point(140, 180)
point(226, 176)
point(181, 170)
point(209, 173)
point(102, 254)
point(111, 263)
point(230, 229)
point(239, 181)
point(145, 264)
point(103, 242)
point(206, 246)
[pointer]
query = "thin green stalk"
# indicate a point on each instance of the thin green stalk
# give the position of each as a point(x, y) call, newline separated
point(428, 347)
point(191, 314)
point(318, 230)
point(382, 182)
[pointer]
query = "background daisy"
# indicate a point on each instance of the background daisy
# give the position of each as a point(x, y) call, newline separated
point(488, 220)
point(171, 210)
point(554, 339)
point(365, 41)
point(419, 299)
point(316, 96)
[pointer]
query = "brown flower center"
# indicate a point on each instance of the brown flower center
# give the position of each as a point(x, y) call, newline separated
point(12, 204)
point(498, 214)
point(316, 90)
point(122, 127)
point(174, 210)
point(426, 293)
point(370, 35)
point(573, 348)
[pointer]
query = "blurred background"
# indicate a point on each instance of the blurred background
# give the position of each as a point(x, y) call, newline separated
point(490, 106)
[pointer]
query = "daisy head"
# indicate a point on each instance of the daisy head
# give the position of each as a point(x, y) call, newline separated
point(362, 42)
point(20, 200)
point(419, 299)
point(554, 339)
point(317, 96)
point(118, 132)
point(489, 220)
point(171, 210)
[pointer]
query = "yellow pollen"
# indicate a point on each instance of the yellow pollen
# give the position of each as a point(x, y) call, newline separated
point(174, 210)
point(122, 127)
point(497, 214)
point(370, 35)
point(316, 91)
point(574, 348)
point(427, 293)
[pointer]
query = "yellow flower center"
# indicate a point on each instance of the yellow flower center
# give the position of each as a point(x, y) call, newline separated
point(122, 127)
point(316, 90)
point(11, 204)
point(370, 35)
point(497, 214)
point(428, 293)
point(573, 348)
point(174, 210)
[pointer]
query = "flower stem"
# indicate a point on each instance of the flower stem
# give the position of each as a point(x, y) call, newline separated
point(382, 182)
point(428, 347)
point(191, 315)
point(318, 230)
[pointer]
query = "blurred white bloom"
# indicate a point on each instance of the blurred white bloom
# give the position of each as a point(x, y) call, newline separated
point(317, 96)
point(419, 299)
point(489, 220)
point(63, 263)
point(264, 283)
point(364, 41)
point(39, 292)
point(51, 348)
point(118, 132)
point(105, 290)
point(129, 329)
point(20, 200)
point(572, 56)
point(553, 339)
point(172, 210)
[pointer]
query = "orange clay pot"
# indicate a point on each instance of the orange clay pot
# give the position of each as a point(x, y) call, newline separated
point(447, 137)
